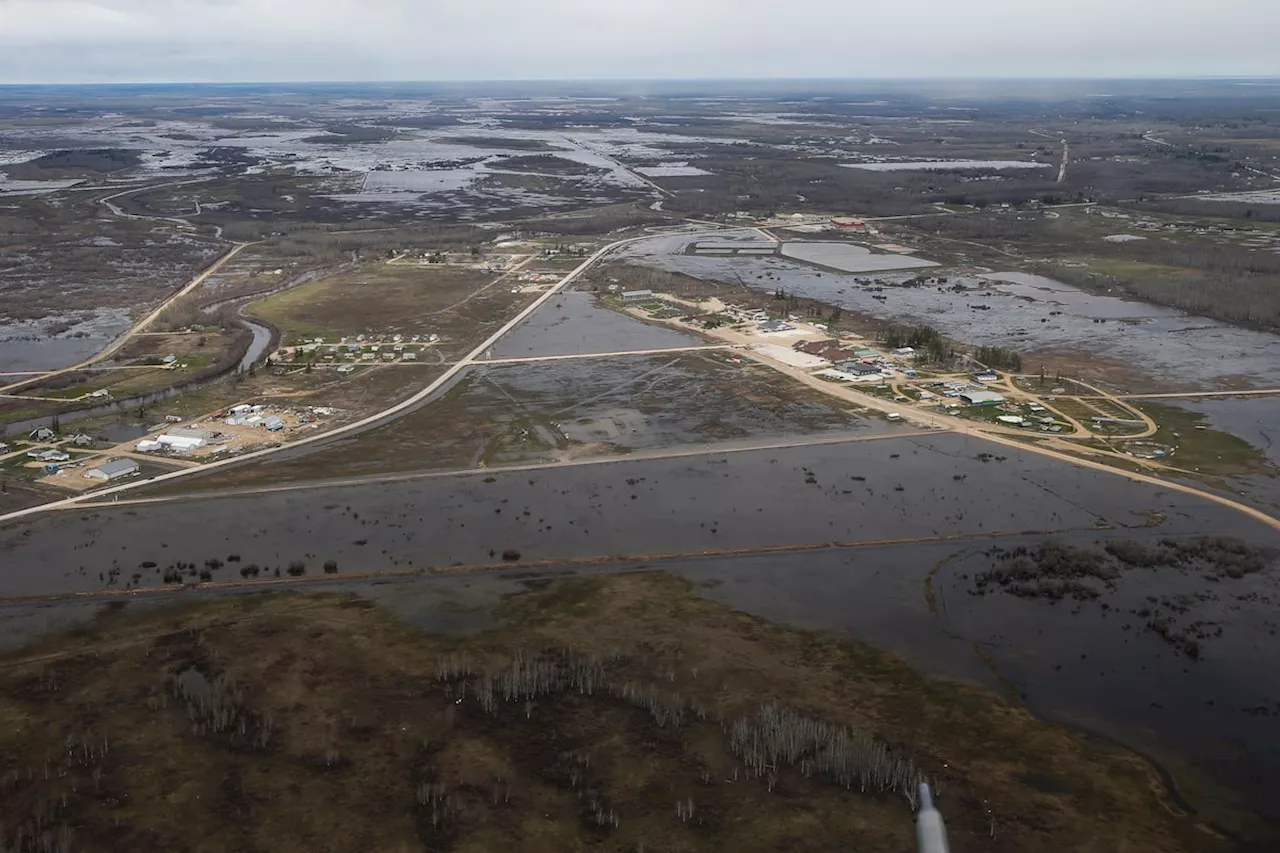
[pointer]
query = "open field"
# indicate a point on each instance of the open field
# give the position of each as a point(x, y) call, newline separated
point(216, 708)
point(382, 300)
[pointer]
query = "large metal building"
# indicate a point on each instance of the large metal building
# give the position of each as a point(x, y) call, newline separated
point(113, 470)
point(981, 398)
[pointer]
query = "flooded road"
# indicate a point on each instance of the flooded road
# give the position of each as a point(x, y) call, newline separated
point(1025, 312)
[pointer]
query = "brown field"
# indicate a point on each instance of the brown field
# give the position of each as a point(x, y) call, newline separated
point(316, 722)
point(461, 305)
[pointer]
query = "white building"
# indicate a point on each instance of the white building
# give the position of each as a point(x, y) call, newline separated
point(180, 445)
point(184, 440)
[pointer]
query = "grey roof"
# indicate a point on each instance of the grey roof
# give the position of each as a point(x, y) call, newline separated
point(982, 396)
point(857, 367)
point(117, 466)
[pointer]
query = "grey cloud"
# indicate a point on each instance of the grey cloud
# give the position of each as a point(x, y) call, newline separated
point(161, 40)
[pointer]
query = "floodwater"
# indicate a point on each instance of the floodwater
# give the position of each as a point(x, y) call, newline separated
point(9, 187)
point(575, 323)
point(663, 401)
point(1081, 664)
point(1255, 420)
point(1025, 312)
point(1090, 667)
point(945, 165)
point(25, 347)
point(748, 499)
point(847, 257)
point(123, 430)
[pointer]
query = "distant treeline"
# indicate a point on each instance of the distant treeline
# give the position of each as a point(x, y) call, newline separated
point(927, 341)
point(999, 358)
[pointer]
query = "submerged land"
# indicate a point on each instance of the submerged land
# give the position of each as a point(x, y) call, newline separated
point(933, 429)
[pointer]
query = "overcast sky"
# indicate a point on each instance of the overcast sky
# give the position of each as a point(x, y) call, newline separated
point(300, 40)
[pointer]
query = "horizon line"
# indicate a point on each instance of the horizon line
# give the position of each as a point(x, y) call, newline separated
point(608, 80)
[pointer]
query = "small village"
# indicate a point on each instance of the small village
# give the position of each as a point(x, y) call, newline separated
point(968, 389)
point(80, 462)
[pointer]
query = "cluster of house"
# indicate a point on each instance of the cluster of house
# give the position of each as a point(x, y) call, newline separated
point(55, 459)
point(52, 457)
point(857, 363)
point(362, 348)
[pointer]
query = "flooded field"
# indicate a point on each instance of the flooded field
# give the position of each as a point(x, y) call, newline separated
point(1256, 420)
point(882, 489)
point(1093, 663)
point(25, 346)
point(575, 323)
point(846, 257)
point(566, 409)
point(1159, 347)
point(945, 165)
point(446, 170)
